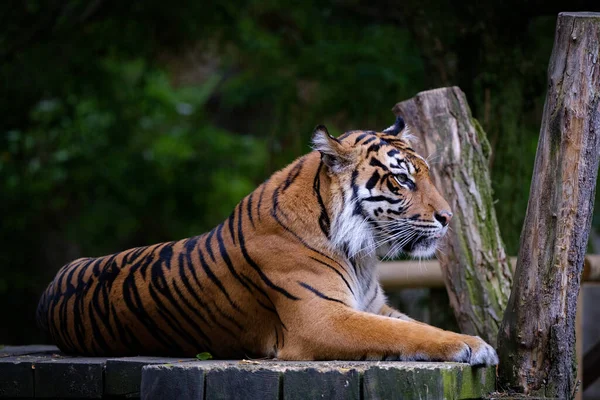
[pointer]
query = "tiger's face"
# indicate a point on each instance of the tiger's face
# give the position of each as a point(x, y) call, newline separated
point(389, 193)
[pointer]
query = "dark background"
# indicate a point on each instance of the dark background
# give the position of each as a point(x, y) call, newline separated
point(128, 123)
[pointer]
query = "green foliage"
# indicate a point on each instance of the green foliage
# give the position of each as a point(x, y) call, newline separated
point(516, 86)
point(129, 123)
point(146, 151)
point(204, 356)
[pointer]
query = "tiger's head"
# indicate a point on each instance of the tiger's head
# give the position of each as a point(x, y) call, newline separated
point(384, 200)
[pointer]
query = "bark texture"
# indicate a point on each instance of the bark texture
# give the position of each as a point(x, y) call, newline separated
point(473, 260)
point(537, 337)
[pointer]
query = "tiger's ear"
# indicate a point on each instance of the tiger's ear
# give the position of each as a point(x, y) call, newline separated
point(333, 153)
point(396, 128)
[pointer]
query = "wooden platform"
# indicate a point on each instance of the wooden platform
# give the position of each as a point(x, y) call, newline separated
point(43, 372)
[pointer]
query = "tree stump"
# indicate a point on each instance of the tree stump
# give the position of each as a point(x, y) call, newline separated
point(537, 337)
point(476, 271)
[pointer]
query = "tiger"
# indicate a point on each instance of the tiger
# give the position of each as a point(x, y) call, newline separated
point(289, 275)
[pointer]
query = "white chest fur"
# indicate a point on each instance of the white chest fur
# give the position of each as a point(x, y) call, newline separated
point(368, 295)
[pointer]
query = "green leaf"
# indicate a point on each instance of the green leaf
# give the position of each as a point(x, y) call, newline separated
point(204, 356)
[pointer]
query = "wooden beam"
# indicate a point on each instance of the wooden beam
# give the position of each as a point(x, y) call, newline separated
point(428, 273)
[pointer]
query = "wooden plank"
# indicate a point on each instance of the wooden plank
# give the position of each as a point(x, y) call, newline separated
point(170, 381)
point(239, 384)
point(271, 379)
point(77, 377)
point(17, 373)
point(16, 378)
point(389, 383)
point(39, 349)
point(315, 383)
point(123, 376)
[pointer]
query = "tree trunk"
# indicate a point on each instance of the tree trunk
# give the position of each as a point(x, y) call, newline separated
point(537, 337)
point(476, 271)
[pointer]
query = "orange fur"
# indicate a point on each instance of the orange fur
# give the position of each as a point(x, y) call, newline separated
point(284, 276)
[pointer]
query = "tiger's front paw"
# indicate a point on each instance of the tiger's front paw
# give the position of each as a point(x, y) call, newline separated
point(475, 351)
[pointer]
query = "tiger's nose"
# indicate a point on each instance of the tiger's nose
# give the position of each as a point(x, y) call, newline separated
point(443, 217)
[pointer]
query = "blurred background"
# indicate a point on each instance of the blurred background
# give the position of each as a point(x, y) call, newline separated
point(128, 123)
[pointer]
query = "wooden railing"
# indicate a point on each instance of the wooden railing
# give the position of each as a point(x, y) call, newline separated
point(428, 273)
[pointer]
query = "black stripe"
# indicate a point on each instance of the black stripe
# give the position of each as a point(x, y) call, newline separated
point(194, 310)
point(255, 266)
point(357, 205)
point(126, 338)
point(373, 180)
point(211, 275)
point(148, 259)
point(321, 295)
point(382, 198)
point(230, 319)
point(294, 172)
point(103, 288)
point(180, 294)
point(260, 197)
point(324, 222)
point(392, 187)
point(249, 209)
point(393, 152)
point(225, 257)
point(79, 306)
point(64, 311)
point(96, 334)
point(207, 243)
point(354, 264)
point(374, 162)
point(373, 298)
point(369, 140)
point(399, 212)
point(134, 303)
point(195, 295)
point(230, 223)
point(271, 308)
point(159, 282)
point(337, 272)
point(274, 210)
point(361, 137)
point(374, 147)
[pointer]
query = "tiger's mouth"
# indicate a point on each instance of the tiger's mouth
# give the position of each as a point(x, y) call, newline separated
point(413, 243)
point(421, 247)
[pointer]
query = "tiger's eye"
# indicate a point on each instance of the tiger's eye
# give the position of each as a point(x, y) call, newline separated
point(402, 178)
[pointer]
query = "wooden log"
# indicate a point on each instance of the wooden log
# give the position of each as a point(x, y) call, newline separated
point(476, 270)
point(537, 337)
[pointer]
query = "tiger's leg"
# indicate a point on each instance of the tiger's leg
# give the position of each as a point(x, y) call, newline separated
point(335, 331)
point(388, 311)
